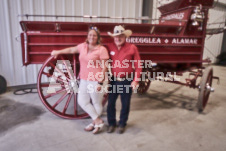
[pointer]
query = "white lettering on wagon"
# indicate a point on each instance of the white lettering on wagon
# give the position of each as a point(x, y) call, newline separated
point(184, 41)
point(143, 40)
point(150, 40)
point(173, 16)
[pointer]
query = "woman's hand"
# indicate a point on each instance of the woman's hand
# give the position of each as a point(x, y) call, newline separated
point(134, 85)
point(54, 53)
point(99, 87)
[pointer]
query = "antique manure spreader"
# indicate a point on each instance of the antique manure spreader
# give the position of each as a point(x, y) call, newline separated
point(175, 44)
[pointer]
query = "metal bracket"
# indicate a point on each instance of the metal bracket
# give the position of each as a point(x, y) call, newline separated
point(57, 27)
point(25, 49)
point(217, 78)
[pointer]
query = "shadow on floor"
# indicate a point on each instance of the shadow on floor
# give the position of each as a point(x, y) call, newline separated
point(13, 113)
point(164, 100)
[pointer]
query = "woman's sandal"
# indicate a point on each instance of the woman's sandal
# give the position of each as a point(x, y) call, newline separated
point(89, 127)
point(98, 128)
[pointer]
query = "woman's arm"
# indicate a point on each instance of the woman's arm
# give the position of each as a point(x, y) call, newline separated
point(104, 70)
point(70, 50)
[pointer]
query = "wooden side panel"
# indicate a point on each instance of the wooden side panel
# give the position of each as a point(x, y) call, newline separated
point(158, 47)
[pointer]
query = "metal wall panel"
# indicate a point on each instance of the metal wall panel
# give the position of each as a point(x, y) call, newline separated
point(213, 43)
point(10, 49)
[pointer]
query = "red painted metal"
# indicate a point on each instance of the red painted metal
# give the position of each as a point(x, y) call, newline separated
point(163, 39)
point(179, 4)
point(175, 44)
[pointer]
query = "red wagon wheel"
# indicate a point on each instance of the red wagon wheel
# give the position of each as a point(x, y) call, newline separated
point(58, 84)
point(145, 82)
point(205, 88)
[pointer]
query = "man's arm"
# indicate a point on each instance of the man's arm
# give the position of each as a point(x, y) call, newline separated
point(138, 68)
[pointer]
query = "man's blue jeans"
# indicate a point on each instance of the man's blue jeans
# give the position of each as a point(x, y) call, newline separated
point(123, 89)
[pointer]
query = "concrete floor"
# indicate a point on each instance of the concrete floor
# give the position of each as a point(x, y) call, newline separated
point(163, 119)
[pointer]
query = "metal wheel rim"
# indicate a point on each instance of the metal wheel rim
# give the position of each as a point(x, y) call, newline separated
point(207, 92)
point(204, 92)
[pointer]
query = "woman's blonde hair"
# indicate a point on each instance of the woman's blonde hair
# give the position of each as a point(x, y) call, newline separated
point(97, 32)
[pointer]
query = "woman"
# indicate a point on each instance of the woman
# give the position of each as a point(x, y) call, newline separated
point(90, 51)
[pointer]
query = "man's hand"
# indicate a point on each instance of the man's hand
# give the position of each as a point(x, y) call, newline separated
point(134, 85)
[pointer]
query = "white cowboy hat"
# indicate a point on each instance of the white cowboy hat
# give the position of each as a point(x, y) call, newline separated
point(118, 30)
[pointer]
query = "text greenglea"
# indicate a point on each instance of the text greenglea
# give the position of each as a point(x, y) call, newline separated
point(142, 40)
point(173, 16)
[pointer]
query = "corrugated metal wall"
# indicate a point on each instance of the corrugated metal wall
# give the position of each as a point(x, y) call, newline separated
point(10, 49)
point(213, 44)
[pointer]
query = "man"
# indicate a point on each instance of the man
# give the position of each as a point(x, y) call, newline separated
point(126, 70)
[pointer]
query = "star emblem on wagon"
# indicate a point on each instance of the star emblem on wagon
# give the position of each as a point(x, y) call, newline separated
point(166, 41)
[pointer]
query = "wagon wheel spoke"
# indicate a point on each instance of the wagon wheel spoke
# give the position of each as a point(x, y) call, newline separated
point(67, 103)
point(60, 100)
point(57, 69)
point(53, 94)
point(75, 104)
point(45, 84)
point(68, 70)
point(74, 65)
point(48, 85)
point(51, 75)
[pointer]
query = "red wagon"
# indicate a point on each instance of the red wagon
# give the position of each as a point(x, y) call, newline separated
point(174, 45)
